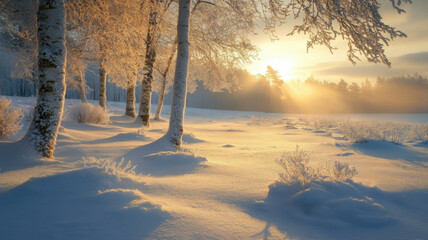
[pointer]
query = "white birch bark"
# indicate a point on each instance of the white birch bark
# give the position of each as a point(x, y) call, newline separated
point(51, 77)
point(164, 78)
point(179, 89)
point(103, 83)
point(130, 97)
point(149, 61)
point(161, 99)
point(130, 101)
point(82, 86)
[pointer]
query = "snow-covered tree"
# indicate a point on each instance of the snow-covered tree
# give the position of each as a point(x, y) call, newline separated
point(358, 22)
point(158, 11)
point(220, 46)
point(114, 31)
point(18, 22)
point(51, 77)
point(179, 91)
point(76, 61)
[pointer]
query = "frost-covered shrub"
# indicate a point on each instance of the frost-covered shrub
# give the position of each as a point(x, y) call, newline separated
point(420, 132)
point(89, 113)
point(396, 132)
point(10, 118)
point(340, 171)
point(324, 124)
point(363, 131)
point(297, 170)
point(118, 169)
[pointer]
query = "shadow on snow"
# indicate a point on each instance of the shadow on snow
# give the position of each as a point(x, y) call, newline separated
point(71, 206)
point(342, 210)
point(161, 158)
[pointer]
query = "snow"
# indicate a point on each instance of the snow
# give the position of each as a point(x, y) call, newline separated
point(73, 205)
point(223, 184)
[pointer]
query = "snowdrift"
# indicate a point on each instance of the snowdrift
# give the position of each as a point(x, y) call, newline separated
point(81, 204)
point(342, 210)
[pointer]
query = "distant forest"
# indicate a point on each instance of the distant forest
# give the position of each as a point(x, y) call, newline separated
point(403, 94)
point(268, 93)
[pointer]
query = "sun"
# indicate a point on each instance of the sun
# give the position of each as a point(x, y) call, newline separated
point(285, 67)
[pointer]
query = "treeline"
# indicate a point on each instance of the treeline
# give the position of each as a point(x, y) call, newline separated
point(404, 94)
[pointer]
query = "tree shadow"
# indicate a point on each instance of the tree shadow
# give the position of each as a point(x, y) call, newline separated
point(161, 158)
point(120, 137)
point(389, 150)
point(18, 155)
point(85, 126)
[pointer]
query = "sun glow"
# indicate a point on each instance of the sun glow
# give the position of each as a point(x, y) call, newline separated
point(285, 67)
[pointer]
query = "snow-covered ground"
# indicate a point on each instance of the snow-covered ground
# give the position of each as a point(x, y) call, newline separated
point(222, 185)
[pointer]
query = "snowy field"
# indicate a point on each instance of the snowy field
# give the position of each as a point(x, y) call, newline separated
point(115, 181)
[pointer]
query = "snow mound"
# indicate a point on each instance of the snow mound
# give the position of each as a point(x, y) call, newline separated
point(190, 138)
point(343, 210)
point(168, 163)
point(77, 205)
point(335, 203)
point(228, 146)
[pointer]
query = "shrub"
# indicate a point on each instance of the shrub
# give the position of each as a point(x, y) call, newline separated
point(324, 124)
point(420, 132)
point(118, 169)
point(89, 113)
point(297, 170)
point(10, 118)
point(363, 131)
point(340, 171)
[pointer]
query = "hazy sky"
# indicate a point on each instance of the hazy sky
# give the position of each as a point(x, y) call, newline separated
point(408, 55)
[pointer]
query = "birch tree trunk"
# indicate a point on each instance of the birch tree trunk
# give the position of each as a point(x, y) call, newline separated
point(103, 83)
point(51, 77)
point(179, 90)
point(161, 98)
point(82, 86)
point(164, 78)
point(149, 61)
point(130, 100)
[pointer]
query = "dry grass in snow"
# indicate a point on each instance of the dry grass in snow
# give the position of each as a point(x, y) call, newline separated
point(10, 118)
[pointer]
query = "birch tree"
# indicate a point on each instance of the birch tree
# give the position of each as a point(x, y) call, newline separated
point(220, 46)
point(51, 63)
point(158, 11)
point(76, 63)
point(179, 90)
point(163, 67)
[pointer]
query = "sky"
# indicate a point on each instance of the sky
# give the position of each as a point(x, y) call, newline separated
point(408, 55)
